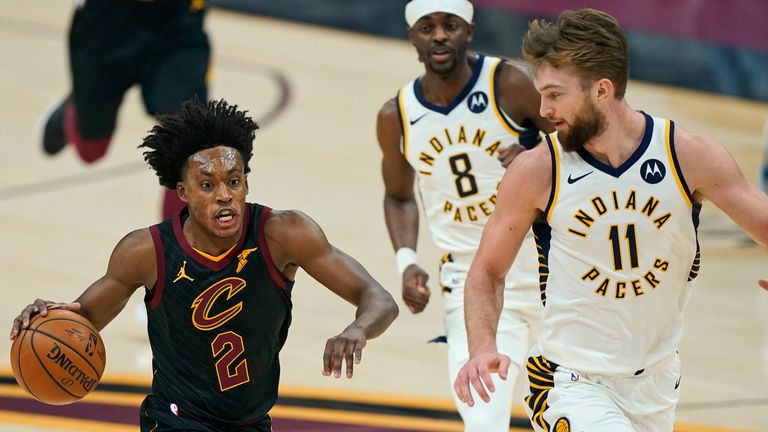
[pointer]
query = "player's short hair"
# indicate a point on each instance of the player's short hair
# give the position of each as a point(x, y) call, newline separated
point(590, 40)
point(194, 127)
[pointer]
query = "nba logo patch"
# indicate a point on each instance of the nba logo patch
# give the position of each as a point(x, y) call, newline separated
point(477, 102)
point(653, 171)
point(175, 409)
point(562, 425)
point(574, 376)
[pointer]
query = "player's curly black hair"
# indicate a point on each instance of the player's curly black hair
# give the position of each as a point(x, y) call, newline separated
point(196, 126)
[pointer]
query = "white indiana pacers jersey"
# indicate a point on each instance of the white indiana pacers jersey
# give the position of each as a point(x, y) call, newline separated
point(619, 251)
point(454, 150)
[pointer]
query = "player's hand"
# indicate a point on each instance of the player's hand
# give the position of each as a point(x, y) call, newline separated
point(415, 291)
point(509, 153)
point(41, 307)
point(763, 283)
point(346, 347)
point(477, 373)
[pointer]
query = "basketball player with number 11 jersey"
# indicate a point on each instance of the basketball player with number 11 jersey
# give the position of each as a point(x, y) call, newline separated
point(453, 130)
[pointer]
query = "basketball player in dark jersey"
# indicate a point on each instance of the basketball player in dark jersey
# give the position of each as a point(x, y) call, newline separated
point(218, 278)
point(160, 45)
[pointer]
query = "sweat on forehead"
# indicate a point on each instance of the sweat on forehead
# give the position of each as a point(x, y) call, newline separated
point(207, 159)
point(416, 9)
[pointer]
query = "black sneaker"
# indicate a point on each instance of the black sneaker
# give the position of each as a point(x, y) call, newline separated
point(53, 129)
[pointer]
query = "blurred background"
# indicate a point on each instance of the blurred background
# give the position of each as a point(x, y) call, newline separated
point(719, 46)
point(314, 73)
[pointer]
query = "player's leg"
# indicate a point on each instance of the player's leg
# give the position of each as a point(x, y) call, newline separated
point(100, 55)
point(512, 339)
point(656, 396)
point(565, 400)
point(177, 70)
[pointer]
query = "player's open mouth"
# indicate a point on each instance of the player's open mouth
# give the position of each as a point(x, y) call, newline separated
point(225, 217)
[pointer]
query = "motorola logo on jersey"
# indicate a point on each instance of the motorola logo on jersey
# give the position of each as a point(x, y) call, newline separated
point(653, 171)
point(477, 102)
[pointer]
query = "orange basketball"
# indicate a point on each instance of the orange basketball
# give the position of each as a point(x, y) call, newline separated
point(59, 358)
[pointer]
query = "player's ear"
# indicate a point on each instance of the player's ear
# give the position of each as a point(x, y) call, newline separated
point(470, 32)
point(604, 89)
point(181, 191)
point(409, 31)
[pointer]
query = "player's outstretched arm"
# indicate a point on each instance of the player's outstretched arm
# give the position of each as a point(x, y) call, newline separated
point(523, 194)
point(401, 211)
point(295, 240)
point(131, 265)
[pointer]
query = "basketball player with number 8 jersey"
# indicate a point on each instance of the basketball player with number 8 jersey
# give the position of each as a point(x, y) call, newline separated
point(455, 129)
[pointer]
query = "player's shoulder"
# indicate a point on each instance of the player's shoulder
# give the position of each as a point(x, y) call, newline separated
point(388, 125)
point(288, 222)
point(389, 110)
point(535, 161)
point(694, 147)
point(514, 73)
point(137, 239)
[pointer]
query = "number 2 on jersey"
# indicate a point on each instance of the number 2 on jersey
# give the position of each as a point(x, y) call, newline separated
point(231, 344)
point(461, 167)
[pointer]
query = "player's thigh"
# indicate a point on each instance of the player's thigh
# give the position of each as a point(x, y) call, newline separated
point(105, 47)
point(575, 402)
point(175, 75)
point(513, 335)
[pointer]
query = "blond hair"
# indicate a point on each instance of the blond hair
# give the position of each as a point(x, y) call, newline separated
point(590, 40)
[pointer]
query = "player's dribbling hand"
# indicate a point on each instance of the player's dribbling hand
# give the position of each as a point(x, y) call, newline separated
point(477, 373)
point(415, 291)
point(509, 153)
point(41, 307)
point(346, 347)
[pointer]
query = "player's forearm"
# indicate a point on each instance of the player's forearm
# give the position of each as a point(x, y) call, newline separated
point(375, 312)
point(402, 218)
point(483, 301)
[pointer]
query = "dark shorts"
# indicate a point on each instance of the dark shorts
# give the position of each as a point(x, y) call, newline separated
point(158, 416)
point(160, 45)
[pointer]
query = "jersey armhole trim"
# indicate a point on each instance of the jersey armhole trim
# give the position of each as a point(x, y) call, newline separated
point(403, 125)
point(274, 273)
point(157, 290)
point(669, 133)
point(505, 122)
point(555, 188)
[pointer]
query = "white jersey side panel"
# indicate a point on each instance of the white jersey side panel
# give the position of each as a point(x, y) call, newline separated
point(454, 152)
point(619, 251)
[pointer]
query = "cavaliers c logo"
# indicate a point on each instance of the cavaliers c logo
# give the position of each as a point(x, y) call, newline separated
point(201, 306)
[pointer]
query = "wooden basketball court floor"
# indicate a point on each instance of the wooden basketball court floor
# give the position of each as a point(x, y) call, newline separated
point(316, 92)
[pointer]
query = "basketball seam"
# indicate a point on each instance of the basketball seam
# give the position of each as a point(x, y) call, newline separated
point(39, 360)
point(55, 338)
point(63, 342)
point(21, 370)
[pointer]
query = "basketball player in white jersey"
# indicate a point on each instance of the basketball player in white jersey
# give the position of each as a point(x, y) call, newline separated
point(615, 195)
point(455, 128)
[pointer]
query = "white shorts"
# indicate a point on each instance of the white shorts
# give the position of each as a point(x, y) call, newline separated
point(561, 397)
point(516, 330)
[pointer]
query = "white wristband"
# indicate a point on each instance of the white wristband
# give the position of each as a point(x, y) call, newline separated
point(405, 256)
